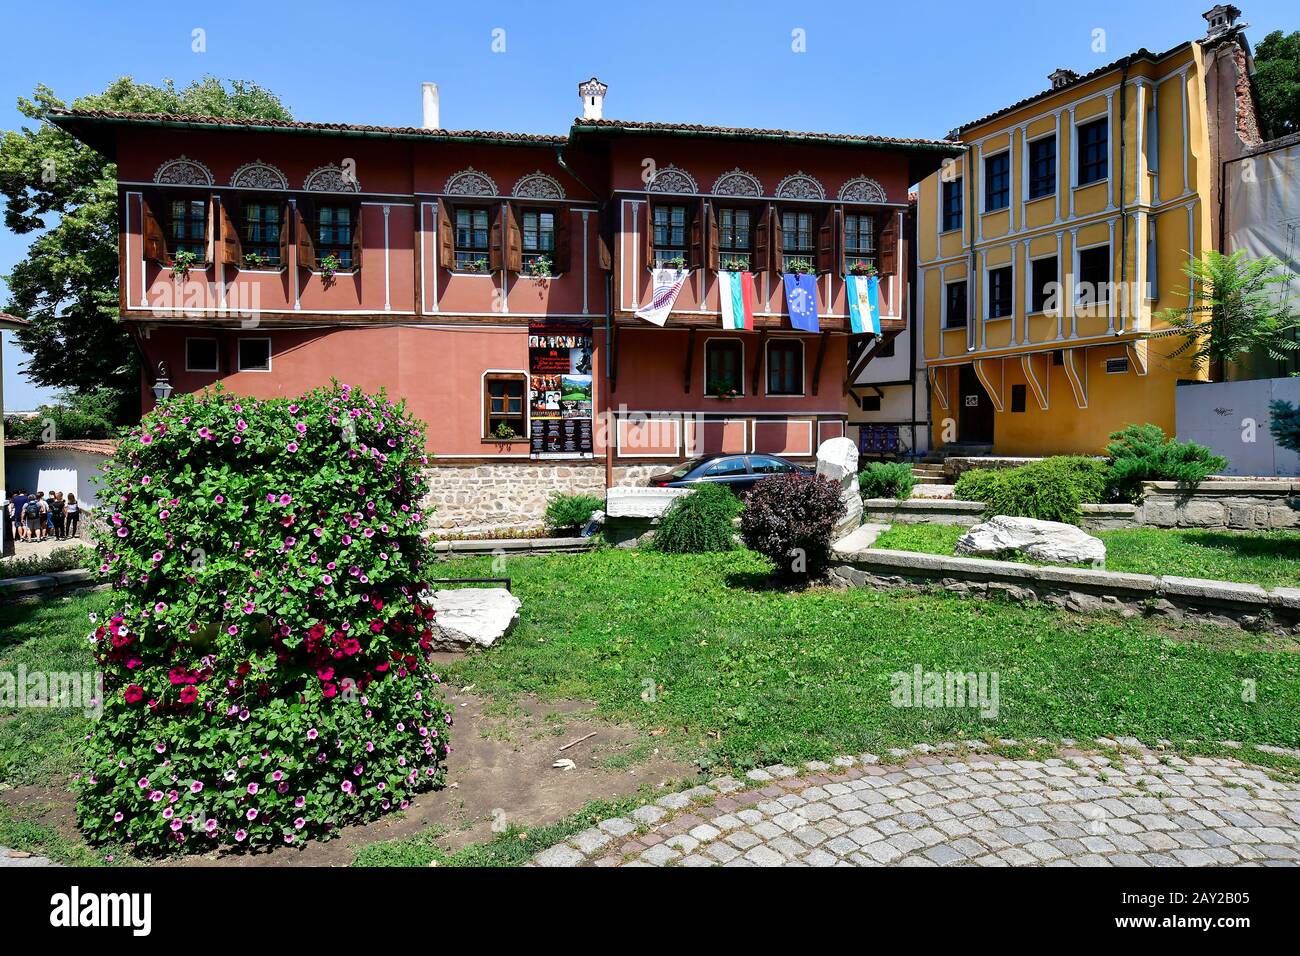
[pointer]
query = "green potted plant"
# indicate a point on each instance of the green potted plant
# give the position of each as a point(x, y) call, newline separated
point(182, 262)
point(735, 264)
point(475, 265)
point(538, 267)
point(676, 262)
point(254, 261)
point(329, 266)
point(724, 389)
point(799, 266)
point(504, 432)
point(861, 268)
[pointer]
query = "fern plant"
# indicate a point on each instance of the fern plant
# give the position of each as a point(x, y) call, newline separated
point(1235, 311)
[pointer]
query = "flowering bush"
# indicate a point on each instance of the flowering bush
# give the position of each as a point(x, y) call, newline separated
point(790, 519)
point(263, 674)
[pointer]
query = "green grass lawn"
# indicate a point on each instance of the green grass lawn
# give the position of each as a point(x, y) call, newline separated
point(737, 674)
point(1267, 558)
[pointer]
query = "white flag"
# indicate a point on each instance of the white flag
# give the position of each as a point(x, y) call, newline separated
point(667, 283)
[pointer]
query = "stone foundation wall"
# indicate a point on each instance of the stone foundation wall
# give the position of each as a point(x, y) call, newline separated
point(1229, 505)
point(473, 499)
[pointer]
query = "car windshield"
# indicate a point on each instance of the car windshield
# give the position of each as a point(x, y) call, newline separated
point(685, 468)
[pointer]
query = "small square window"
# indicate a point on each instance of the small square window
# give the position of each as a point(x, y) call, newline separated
point(200, 355)
point(504, 406)
point(871, 403)
point(254, 355)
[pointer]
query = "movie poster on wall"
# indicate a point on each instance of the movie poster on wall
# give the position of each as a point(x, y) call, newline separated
point(559, 388)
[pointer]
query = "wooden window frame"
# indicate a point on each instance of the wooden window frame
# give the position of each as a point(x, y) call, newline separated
point(242, 225)
point(1101, 291)
point(485, 253)
point(170, 241)
point(801, 366)
point(216, 353)
point(656, 259)
point(319, 250)
point(1081, 146)
point(1008, 273)
point(810, 252)
point(727, 341)
point(947, 304)
point(735, 251)
point(1004, 177)
point(529, 255)
point(239, 353)
point(501, 375)
point(1037, 297)
point(869, 256)
point(950, 220)
point(1041, 170)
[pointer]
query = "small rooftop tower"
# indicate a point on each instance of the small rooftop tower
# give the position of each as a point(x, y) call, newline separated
point(592, 94)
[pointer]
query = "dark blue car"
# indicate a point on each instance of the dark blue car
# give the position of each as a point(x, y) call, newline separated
point(737, 472)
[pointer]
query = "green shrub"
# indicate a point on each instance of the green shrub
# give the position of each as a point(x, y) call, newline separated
point(886, 479)
point(1050, 490)
point(790, 519)
point(75, 558)
point(698, 522)
point(571, 512)
point(265, 677)
point(1142, 453)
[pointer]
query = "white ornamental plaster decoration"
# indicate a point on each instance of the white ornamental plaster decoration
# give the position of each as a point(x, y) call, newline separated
point(259, 175)
point(738, 183)
point(331, 179)
point(862, 189)
point(673, 179)
point(183, 171)
point(800, 186)
point(537, 185)
point(471, 182)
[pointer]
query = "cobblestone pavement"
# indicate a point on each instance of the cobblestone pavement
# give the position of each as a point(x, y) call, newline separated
point(1081, 809)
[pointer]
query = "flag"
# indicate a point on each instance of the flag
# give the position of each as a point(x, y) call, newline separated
point(666, 284)
point(736, 290)
point(801, 300)
point(864, 303)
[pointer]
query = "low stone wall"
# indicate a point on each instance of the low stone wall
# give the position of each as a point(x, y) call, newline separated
point(477, 498)
point(511, 547)
point(1229, 505)
point(921, 511)
point(43, 585)
point(954, 467)
point(1077, 589)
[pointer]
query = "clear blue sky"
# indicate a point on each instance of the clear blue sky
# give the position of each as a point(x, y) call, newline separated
point(898, 69)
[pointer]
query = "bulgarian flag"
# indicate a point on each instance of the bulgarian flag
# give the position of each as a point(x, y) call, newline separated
point(736, 290)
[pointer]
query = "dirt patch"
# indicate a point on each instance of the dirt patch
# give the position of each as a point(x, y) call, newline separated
point(499, 768)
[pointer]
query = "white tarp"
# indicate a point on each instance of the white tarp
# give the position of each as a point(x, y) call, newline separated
point(1263, 210)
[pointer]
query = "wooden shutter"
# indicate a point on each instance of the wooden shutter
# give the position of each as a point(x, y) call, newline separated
point(775, 239)
point(496, 239)
point(356, 237)
point(711, 258)
point(514, 239)
point(562, 257)
point(830, 241)
point(232, 250)
point(648, 237)
point(758, 262)
point(306, 243)
point(446, 237)
point(695, 252)
point(887, 249)
point(214, 236)
point(155, 244)
point(286, 211)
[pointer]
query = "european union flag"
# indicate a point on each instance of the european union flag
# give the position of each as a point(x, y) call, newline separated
point(801, 301)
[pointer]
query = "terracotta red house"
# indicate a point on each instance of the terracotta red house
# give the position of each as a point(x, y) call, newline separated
point(492, 280)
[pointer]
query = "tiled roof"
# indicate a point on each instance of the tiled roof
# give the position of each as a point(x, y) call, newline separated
point(11, 320)
point(93, 446)
point(72, 117)
point(735, 132)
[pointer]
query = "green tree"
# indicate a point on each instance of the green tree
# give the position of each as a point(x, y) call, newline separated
point(1277, 83)
point(92, 413)
point(1235, 312)
point(66, 193)
point(1285, 425)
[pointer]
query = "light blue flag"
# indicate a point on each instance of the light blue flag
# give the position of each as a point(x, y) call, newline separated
point(801, 300)
point(863, 293)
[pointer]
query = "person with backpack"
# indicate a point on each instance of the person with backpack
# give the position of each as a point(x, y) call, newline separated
point(32, 518)
point(73, 518)
point(16, 504)
point(56, 506)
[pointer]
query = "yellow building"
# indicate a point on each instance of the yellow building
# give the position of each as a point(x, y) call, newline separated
point(1047, 249)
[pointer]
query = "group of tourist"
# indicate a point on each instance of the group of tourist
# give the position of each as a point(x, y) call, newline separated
point(42, 516)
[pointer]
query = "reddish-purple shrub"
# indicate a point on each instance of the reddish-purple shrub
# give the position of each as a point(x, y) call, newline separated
point(791, 519)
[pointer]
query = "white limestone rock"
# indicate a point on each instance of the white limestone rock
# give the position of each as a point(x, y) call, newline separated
point(1052, 541)
point(640, 502)
point(837, 459)
point(468, 617)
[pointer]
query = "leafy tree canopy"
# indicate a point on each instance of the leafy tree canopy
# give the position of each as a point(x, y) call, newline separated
point(65, 194)
point(1277, 83)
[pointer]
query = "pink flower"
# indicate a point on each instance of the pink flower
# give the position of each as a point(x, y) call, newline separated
point(251, 814)
point(312, 734)
point(292, 446)
point(195, 787)
point(240, 835)
point(347, 786)
point(220, 499)
point(252, 790)
point(299, 823)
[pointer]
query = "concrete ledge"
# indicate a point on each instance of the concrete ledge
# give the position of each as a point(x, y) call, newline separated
point(922, 511)
point(512, 546)
point(1283, 486)
point(1085, 590)
point(37, 584)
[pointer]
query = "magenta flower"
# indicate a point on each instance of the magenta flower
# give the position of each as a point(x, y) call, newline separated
point(252, 790)
point(240, 835)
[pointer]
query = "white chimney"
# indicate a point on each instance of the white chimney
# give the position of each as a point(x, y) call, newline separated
point(431, 106)
point(592, 94)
